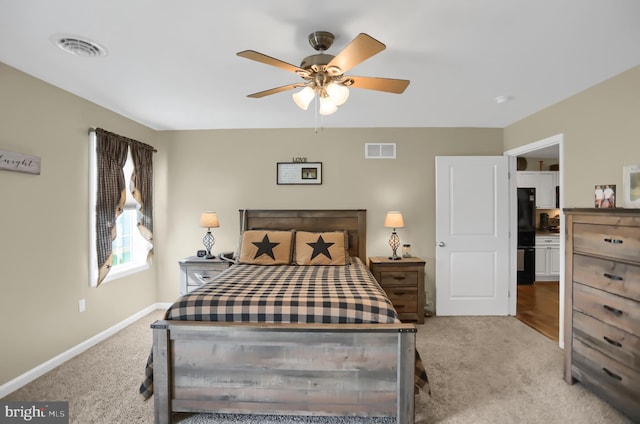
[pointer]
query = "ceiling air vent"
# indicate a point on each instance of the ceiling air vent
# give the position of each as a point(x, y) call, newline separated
point(80, 47)
point(380, 150)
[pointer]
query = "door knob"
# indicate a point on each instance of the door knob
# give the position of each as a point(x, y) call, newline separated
point(440, 244)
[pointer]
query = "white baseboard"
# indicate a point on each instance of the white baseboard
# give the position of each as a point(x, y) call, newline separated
point(23, 379)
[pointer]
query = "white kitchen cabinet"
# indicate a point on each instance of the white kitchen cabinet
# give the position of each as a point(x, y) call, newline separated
point(544, 182)
point(547, 258)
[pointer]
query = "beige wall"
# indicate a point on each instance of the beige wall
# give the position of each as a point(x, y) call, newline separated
point(601, 128)
point(44, 235)
point(227, 170)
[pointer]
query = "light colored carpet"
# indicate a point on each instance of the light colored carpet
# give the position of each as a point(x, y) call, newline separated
point(482, 370)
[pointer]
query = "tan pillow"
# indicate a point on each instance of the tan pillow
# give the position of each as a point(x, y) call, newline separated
point(262, 247)
point(328, 248)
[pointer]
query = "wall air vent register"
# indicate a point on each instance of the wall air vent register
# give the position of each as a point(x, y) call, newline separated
point(380, 150)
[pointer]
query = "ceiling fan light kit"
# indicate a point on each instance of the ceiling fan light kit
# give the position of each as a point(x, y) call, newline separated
point(323, 74)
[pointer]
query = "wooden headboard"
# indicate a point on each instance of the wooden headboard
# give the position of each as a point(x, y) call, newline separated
point(352, 220)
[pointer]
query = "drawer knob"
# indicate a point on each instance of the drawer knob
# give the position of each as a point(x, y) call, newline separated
point(399, 277)
point(613, 310)
point(613, 241)
point(612, 342)
point(613, 277)
point(612, 375)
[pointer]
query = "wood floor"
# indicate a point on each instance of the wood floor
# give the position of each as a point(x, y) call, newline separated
point(538, 306)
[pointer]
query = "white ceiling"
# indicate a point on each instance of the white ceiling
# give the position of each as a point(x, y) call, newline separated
point(173, 65)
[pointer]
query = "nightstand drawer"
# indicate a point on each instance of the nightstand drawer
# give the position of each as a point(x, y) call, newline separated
point(194, 272)
point(403, 298)
point(398, 278)
point(612, 309)
point(201, 276)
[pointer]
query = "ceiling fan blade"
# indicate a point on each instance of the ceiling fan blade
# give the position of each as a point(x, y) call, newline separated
point(275, 90)
point(360, 49)
point(268, 60)
point(389, 85)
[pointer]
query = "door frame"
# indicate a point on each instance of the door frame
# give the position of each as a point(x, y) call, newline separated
point(557, 139)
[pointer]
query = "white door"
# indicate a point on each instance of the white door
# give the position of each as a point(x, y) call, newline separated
point(472, 235)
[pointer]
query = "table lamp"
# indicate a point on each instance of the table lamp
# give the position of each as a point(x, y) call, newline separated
point(209, 220)
point(394, 220)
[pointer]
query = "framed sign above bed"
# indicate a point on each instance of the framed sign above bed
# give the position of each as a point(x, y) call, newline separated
point(299, 173)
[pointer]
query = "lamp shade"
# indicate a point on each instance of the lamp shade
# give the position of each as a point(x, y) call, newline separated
point(327, 106)
point(338, 93)
point(209, 220)
point(304, 97)
point(394, 220)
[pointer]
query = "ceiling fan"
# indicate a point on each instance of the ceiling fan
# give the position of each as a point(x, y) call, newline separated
point(324, 74)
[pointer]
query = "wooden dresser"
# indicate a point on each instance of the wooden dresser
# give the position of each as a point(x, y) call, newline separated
point(403, 281)
point(602, 304)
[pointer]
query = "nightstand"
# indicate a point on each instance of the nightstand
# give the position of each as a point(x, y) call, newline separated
point(403, 281)
point(195, 271)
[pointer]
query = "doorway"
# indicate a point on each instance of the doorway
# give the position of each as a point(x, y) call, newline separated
point(547, 149)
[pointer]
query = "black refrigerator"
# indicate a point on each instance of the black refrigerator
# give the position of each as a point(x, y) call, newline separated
point(526, 235)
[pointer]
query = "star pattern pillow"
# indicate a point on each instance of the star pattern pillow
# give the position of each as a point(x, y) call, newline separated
point(261, 247)
point(327, 248)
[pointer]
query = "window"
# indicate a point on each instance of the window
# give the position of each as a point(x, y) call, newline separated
point(129, 249)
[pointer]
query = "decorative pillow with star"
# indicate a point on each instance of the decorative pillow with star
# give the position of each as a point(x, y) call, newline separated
point(327, 248)
point(261, 247)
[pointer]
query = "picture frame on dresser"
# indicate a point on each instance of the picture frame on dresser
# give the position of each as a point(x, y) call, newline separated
point(605, 196)
point(631, 186)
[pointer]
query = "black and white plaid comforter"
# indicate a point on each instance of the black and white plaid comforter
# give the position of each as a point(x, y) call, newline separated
point(287, 294)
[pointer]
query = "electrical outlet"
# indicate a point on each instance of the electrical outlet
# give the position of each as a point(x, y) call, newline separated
point(82, 306)
point(428, 300)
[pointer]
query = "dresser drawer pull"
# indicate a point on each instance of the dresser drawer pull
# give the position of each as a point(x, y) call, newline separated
point(613, 277)
point(612, 375)
point(613, 241)
point(612, 342)
point(399, 277)
point(614, 311)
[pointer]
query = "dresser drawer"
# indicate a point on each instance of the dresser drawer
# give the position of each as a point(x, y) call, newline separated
point(398, 278)
point(613, 241)
point(403, 298)
point(615, 310)
point(607, 378)
point(607, 275)
point(617, 344)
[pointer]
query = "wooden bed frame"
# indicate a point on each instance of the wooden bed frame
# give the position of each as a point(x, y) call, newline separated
point(287, 369)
